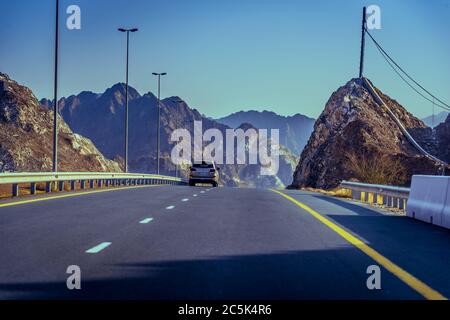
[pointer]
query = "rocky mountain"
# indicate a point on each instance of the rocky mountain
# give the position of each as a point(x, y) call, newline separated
point(294, 130)
point(101, 118)
point(438, 119)
point(355, 139)
point(442, 133)
point(26, 136)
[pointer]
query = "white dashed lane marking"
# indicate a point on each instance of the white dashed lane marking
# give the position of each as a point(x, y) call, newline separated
point(99, 247)
point(146, 220)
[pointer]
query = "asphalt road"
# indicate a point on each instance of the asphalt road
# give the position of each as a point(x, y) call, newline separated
point(225, 243)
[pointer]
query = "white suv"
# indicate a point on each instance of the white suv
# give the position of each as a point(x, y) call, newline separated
point(204, 172)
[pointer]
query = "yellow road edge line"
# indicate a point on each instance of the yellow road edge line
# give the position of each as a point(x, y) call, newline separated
point(15, 203)
point(419, 286)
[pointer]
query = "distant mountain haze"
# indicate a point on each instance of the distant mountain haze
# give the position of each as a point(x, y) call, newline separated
point(101, 118)
point(294, 130)
point(438, 119)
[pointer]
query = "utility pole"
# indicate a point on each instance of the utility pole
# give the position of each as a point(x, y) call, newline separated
point(159, 115)
point(363, 42)
point(177, 106)
point(55, 88)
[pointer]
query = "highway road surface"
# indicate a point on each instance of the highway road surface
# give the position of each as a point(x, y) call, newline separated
point(166, 242)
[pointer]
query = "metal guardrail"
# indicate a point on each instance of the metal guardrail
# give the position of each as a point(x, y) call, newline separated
point(389, 196)
point(57, 180)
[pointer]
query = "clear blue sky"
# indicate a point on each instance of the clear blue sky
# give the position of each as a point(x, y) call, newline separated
point(223, 56)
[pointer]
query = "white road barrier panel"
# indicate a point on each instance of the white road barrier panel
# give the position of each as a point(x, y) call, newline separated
point(429, 200)
point(446, 211)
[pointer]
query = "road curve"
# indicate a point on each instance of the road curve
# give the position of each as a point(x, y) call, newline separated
point(224, 243)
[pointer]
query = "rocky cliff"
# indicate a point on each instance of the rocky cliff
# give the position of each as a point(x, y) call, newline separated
point(356, 139)
point(442, 133)
point(26, 136)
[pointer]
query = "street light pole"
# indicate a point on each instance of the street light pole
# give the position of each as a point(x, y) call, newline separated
point(55, 88)
point(126, 94)
point(177, 104)
point(159, 116)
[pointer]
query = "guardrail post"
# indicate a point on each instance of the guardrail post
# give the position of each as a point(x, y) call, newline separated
point(107, 181)
point(33, 188)
point(370, 197)
point(390, 201)
point(401, 204)
point(61, 185)
point(99, 183)
point(380, 199)
point(48, 187)
point(395, 202)
point(15, 190)
point(83, 184)
point(73, 185)
point(356, 195)
point(91, 184)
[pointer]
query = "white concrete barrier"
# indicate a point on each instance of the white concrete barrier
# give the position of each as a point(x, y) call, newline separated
point(446, 212)
point(429, 200)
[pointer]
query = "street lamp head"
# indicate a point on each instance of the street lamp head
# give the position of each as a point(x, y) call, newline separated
point(128, 30)
point(154, 73)
point(163, 74)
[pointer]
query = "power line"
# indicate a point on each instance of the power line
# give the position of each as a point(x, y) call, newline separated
point(392, 62)
point(409, 84)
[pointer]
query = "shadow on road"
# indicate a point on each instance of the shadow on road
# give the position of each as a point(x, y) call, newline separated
point(289, 275)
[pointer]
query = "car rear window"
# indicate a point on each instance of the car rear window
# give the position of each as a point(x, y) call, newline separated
point(203, 165)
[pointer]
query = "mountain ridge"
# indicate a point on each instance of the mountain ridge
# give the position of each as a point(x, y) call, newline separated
point(294, 130)
point(101, 118)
